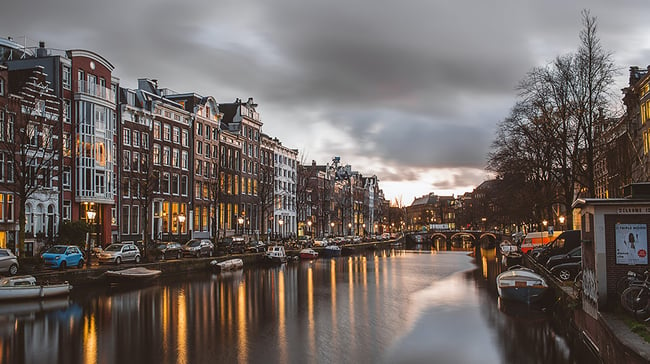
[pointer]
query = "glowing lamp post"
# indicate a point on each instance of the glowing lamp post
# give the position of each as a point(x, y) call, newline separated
point(90, 215)
point(309, 225)
point(281, 222)
point(240, 221)
point(181, 220)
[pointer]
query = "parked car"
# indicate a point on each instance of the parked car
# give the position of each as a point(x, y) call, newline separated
point(119, 252)
point(321, 243)
point(567, 271)
point(564, 242)
point(168, 249)
point(198, 247)
point(63, 256)
point(574, 255)
point(232, 245)
point(256, 247)
point(8, 262)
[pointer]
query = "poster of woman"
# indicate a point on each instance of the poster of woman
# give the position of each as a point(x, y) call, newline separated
point(631, 244)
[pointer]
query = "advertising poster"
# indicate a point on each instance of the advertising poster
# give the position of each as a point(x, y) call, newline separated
point(631, 244)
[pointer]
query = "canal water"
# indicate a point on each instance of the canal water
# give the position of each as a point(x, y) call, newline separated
point(385, 306)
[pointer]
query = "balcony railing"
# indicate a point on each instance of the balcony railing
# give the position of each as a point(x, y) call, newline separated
point(95, 90)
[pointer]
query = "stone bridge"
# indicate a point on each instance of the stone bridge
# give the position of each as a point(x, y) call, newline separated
point(451, 236)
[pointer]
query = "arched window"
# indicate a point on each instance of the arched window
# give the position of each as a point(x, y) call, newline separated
point(29, 219)
point(38, 219)
point(49, 231)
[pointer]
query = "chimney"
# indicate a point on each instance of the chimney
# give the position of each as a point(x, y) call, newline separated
point(41, 51)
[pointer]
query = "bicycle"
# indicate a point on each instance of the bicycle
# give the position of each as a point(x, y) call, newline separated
point(631, 278)
point(636, 299)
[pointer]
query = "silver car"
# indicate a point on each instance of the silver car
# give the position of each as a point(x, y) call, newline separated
point(119, 252)
point(8, 262)
point(198, 247)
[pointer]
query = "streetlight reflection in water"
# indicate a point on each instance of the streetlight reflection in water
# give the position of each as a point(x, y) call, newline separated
point(380, 306)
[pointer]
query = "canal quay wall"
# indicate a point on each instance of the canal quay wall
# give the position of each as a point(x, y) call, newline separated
point(608, 336)
point(95, 275)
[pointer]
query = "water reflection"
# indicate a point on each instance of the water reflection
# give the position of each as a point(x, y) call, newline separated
point(382, 306)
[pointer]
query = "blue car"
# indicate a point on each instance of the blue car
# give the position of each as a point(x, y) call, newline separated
point(63, 256)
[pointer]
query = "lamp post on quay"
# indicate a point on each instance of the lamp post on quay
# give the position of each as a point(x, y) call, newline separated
point(562, 219)
point(281, 222)
point(309, 225)
point(90, 215)
point(181, 220)
point(240, 221)
point(332, 228)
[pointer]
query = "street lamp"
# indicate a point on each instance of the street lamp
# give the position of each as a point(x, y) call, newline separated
point(181, 220)
point(349, 228)
point(364, 228)
point(484, 220)
point(332, 229)
point(90, 215)
point(309, 224)
point(561, 218)
point(280, 222)
point(240, 221)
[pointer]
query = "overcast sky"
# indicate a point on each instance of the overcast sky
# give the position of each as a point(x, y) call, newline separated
point(410, 91)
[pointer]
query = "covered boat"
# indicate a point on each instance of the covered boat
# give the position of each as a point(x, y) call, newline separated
point(332, 251)
point(521, 284)
point(25, 287)
point(227, 265)
point(276, 254)
point(132, 275)
point(510, 254)
point(308, 253)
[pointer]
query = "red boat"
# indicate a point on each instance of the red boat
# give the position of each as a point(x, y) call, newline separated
point(308, 253)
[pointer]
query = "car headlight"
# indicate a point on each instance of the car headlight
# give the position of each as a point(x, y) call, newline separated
point(57, 257)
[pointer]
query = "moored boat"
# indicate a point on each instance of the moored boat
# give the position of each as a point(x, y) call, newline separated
point(521, 284)
point(132, 275)
point(332, 251)
point(308, 253)
point(25, 287)
point(276, 254)
point(227, 265)
point(510, 254)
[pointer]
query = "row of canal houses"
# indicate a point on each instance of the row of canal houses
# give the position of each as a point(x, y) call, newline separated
point(150, 163)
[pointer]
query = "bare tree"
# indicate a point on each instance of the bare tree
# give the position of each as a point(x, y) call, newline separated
point(548, 138)
point(591, 94)
point(144, 182)
point(30, 143)
point(266, 193)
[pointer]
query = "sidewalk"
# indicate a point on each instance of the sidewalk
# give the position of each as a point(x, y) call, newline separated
point(608, 334)
point(626, 337)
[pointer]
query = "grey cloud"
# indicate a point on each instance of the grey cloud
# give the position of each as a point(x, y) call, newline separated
point(418, 85)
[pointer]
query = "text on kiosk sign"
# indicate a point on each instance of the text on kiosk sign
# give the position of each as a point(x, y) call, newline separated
point(633, 210)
